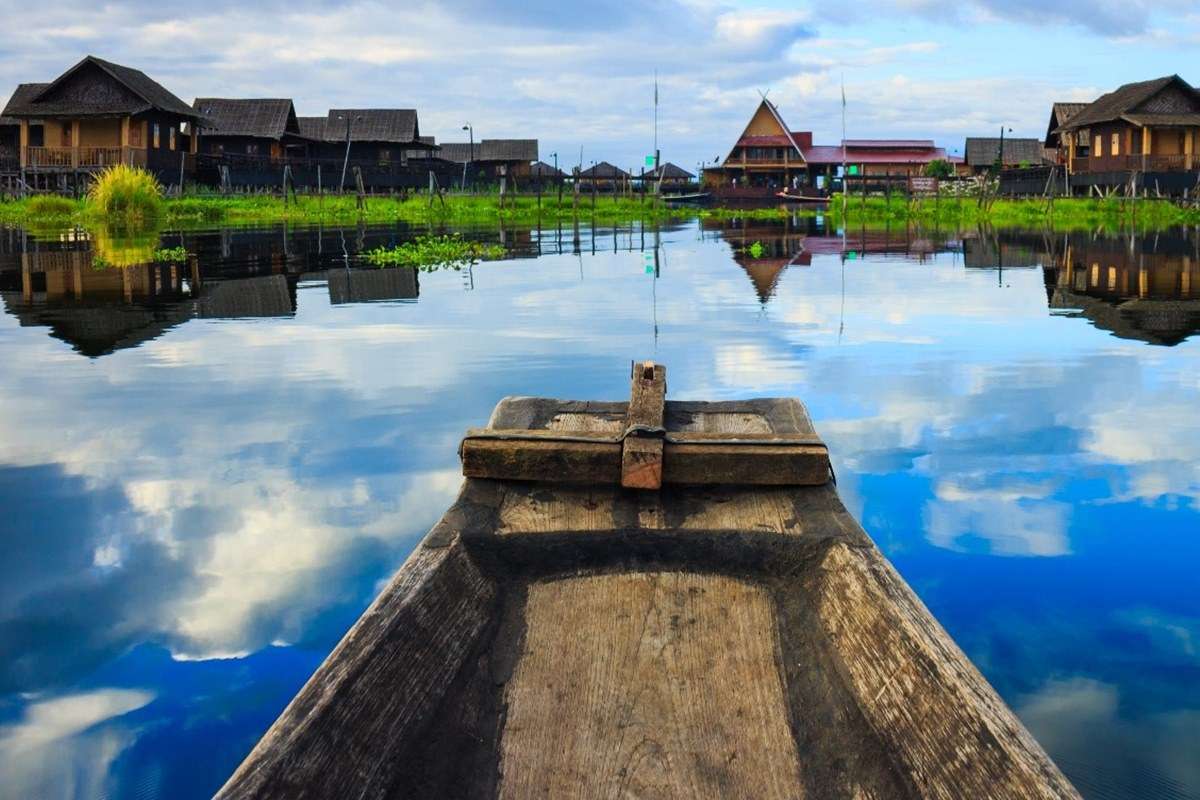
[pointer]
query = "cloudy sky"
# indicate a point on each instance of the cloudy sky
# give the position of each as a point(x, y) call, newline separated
point(581, 75)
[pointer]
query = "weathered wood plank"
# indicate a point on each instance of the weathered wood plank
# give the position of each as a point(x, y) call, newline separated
point(648, 685)
point(642, 457)
point(943, 724)
point(377, 690)
point(691, 458)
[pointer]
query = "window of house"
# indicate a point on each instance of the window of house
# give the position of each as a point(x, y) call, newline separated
point(385, 156)
point(1098, 146)
point(135, 134)
point(66, 134)
point(171, 137)
point(1116, 144)
point(252, 149)
point(155, 137)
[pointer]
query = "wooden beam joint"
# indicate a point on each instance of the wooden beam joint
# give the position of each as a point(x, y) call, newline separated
point(642, 449)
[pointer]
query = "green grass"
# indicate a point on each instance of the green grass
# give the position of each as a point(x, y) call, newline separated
point(1060, 214)
point(129, 195)
point(434, 252)
point(134, 204)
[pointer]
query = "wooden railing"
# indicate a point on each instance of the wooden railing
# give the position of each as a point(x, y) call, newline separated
point(83, 157)
point(1140, 163)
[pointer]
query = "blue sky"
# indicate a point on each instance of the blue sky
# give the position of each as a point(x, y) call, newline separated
point(580, 75)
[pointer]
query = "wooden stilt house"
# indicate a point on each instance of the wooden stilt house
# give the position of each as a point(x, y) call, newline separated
point(97, 114)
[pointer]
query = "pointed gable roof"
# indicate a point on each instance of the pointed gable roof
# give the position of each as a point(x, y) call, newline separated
point(135, 93)
point(783, 134)
point(1136, 98)
point(266, 119)
point(604, 171)
point(390, 125)
point(1059, 114)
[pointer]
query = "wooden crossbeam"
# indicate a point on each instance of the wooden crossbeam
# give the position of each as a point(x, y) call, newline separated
point(644, 455)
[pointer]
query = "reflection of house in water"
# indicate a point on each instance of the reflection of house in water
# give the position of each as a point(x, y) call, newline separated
point(99, 310)
point(1007, 250)
point(371, 285)
point(1139, 287)
point(766, 248)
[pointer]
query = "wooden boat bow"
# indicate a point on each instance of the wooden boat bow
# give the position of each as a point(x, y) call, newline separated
point(647, 599)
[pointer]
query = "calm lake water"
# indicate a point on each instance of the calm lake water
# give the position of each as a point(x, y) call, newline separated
point(208, 469)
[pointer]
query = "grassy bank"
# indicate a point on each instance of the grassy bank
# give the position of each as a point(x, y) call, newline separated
point(198, 211)
point(1060, 214)
point(343, 209)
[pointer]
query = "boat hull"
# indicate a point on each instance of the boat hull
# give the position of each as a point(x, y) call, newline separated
point(588, 641)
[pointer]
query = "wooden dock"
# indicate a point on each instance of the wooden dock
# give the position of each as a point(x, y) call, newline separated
point(551, 638)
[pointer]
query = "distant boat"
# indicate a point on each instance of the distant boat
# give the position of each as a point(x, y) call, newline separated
point(693, 198)
point(801, 198)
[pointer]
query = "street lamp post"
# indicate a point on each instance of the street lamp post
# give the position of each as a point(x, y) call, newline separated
point(471, 156)
point(557, 177)
point(346, 159)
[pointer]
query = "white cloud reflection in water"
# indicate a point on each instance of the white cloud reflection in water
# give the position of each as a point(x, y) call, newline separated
point(235, 492)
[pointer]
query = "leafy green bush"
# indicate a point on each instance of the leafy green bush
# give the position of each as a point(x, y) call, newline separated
point(50, 205)
point(939, 168)
point(128, 193)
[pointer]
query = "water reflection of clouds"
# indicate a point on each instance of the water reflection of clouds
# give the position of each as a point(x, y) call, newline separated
point(234, 485)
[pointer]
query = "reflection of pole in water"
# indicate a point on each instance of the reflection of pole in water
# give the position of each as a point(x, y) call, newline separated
point(654, 286)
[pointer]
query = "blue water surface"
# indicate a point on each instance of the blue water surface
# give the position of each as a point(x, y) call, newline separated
point(208, 469)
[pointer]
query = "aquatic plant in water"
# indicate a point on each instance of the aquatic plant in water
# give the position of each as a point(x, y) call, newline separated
point(170, 254)
point(124, 193)
point(434, 252)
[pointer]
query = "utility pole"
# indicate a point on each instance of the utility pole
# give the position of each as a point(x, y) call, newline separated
point(346, 159)
point(470, 156)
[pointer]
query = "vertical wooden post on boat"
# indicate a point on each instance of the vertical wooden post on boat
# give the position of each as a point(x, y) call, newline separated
point(642, 452)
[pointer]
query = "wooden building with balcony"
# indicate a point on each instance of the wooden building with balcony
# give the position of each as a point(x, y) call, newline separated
point(769, 156)
point(98, 114)
point(1146, 127)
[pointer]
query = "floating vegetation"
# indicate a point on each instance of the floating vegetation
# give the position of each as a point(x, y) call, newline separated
point(129, 195)
point(170, 254)
point(434, 252)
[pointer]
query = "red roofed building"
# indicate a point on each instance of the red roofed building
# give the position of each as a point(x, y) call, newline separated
point(769, 156)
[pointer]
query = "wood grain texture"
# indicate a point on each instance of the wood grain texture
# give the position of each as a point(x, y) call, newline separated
point(648, 685)
point(642, 457)
point(541, 642)
point(377, 690)
point(944, 726)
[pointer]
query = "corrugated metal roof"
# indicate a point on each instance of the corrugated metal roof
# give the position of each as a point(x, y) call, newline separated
point(267, 119)
point(832, 154)
point(491, 150)
point(982, 151)
point(312, 127)
point(899, 144)
point(392, 125)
